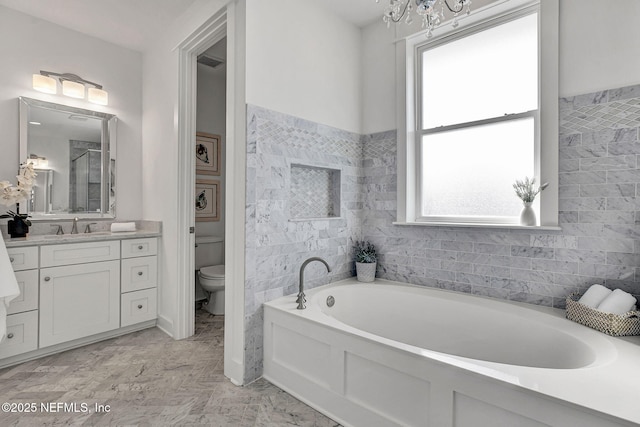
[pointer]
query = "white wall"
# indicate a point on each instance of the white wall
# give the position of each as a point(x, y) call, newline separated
point(599, 45)
point(304, 61)
point(28, 45)
point(211, 118)
point(599, 49)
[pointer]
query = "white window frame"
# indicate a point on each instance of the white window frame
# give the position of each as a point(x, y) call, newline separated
point(546, 117)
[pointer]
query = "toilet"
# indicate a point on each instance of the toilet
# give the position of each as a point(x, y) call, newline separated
point(210, 271)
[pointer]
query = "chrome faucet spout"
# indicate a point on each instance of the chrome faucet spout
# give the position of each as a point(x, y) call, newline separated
point(74, 228)
point(301, 300)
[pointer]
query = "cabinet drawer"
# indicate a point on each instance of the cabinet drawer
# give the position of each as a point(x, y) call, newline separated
point(139, 247)
point(138, 306)
point(23, 258)
point(139, 273)
point(28, 298)
point(22, 334)
point(79, 253)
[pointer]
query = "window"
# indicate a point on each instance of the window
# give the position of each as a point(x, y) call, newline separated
point(478, 115)
point(481, 110)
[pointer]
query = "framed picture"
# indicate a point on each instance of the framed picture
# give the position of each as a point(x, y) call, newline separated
point(208, 152)
point(207, 200)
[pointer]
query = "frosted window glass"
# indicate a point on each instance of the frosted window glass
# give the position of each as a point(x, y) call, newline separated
point(487, 74)
point(470, 171)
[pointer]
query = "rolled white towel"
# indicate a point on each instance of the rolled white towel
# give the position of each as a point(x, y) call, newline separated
point(618, 302)
point(594, 296)
point(118, 227)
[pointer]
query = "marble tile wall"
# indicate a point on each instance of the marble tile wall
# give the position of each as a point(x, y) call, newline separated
point(276, 245)
point(599, 243)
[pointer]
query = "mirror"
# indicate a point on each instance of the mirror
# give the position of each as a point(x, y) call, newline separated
point(73, 153)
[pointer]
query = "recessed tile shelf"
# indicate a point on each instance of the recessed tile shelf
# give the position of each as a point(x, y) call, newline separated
point(315, 192)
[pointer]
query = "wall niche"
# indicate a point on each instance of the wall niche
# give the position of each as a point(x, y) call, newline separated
point(314, 192)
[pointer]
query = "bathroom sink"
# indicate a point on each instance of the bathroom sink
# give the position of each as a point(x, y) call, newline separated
point(78, 236)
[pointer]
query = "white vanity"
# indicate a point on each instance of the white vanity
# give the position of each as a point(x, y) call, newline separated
point(79, 289)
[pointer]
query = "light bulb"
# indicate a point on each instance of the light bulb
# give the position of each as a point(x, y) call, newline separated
point(72, 89)
point(98, 96)
point(44, 83)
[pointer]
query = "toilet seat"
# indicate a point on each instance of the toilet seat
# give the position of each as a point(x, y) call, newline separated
point(212, 272)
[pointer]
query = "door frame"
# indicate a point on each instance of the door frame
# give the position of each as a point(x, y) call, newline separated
point(226, 22)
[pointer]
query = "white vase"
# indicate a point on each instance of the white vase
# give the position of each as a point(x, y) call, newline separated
point(528, 215)
point(366, 272)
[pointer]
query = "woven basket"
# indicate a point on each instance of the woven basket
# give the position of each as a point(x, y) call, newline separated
point(609, 323)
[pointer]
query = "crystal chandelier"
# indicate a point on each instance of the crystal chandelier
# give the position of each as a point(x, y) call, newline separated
point(431, 12)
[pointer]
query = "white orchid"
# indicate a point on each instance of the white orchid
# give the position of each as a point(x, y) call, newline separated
point(10, 195)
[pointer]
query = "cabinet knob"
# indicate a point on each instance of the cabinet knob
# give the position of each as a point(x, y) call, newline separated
point(139, 273)
point(10, 335)
point(11, 259)
point(140, 247)
point(139, 305)
point(46, 279)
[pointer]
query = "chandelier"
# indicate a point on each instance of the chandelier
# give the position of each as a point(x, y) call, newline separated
point(430, 11)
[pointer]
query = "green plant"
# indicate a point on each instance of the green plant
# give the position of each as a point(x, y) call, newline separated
point(365, 252)
point(526, 189)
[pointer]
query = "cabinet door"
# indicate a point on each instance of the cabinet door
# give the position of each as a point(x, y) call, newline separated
point(78, 300)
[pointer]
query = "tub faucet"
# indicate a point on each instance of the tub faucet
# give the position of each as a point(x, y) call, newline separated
point(301, 297)
point(74, 229)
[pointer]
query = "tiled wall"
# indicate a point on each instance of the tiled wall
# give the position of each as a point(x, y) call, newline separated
point(277, 246)
point(599, 242)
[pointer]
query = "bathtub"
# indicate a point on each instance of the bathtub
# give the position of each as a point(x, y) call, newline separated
point(387, 354)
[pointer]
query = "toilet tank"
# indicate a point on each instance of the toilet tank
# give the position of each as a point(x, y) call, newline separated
point(209, 251)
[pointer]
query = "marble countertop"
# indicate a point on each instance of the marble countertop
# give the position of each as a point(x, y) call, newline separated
point(98, 236)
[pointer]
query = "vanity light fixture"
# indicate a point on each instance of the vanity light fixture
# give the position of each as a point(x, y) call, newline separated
point(38, 162)
point(431, 12)
point(72, 85)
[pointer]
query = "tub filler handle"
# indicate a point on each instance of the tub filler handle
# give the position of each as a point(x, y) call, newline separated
point(301, 300)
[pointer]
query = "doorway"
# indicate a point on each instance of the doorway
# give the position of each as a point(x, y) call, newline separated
point(227, 23)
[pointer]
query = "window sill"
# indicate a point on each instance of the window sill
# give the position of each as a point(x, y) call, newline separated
point(468, 225)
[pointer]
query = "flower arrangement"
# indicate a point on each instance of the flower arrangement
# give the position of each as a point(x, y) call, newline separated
point(365, 252)
point(10, 195)
point(526, 189)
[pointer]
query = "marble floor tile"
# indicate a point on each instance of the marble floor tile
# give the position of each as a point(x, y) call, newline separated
point(148, 379)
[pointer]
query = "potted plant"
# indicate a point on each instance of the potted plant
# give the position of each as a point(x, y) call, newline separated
point(527, 192)
point(18, 225)
point(366, 261)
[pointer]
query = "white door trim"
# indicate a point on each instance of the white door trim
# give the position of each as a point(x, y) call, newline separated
point(213, 30)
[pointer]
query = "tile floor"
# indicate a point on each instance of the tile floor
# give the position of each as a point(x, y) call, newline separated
point(148, 379)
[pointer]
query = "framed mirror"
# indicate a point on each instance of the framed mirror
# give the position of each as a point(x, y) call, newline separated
point(73, 153)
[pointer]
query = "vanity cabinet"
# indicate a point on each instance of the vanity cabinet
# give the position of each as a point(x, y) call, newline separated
point(79, 292)
point(22, 315)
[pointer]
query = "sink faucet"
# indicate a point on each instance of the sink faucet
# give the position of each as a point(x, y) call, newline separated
point(301, 297)
point(74, 229)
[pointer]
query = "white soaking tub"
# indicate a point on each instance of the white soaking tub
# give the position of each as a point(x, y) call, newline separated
point(387, 354)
